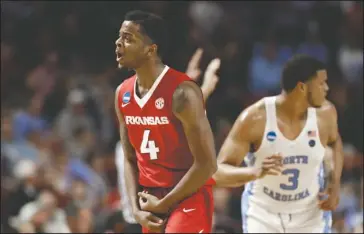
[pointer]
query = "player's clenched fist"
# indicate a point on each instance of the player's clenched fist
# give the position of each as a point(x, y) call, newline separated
point(151, 203)
point(149, 221)
point(271, 165)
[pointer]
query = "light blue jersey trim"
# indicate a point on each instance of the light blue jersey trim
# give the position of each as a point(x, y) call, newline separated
point(327, 215)
point(248, 192)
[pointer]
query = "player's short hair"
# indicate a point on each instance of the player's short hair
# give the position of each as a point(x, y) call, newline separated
point(300, 68)
point(152, 26)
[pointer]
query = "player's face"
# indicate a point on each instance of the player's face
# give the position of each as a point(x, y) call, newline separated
point(131, 47)
point(317, 89)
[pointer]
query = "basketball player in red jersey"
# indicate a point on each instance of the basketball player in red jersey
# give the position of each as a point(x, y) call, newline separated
point(166, 137)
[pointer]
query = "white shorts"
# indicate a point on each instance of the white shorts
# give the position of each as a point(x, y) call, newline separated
point(258, 220)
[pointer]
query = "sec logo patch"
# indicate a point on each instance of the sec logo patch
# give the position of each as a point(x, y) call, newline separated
point(159, 103)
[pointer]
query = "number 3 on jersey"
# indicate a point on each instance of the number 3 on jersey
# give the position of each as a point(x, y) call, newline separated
point(293, 179)
point(148, 146)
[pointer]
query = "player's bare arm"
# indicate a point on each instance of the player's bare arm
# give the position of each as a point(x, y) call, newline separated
point(146, 219)
point(246, 131)
point(188, 108)
point(329, 114)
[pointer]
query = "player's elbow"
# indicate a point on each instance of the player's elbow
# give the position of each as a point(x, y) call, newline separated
point(220, 177)
point(214, 166)
point(208, 166)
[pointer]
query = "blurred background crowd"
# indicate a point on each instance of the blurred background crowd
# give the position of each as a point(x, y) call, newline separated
point(58, 78)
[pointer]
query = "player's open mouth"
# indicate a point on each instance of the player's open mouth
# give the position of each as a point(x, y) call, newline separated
point(119, 56)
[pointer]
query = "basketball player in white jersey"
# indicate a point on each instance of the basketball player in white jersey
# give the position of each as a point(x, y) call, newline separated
point(208, 86)
point(287, 135)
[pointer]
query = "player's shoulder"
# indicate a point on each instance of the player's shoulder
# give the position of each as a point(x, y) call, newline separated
point(327, 110)
point(176, 77)
point(126, 85)
point(255, 113)
point(185, 93)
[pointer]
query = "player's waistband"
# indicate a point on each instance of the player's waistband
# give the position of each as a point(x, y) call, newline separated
point(160, 192)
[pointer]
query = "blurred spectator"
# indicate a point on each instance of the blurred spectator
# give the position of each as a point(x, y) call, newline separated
point(74, 116)
point(102, 94)
point(43, 78)
point(15, 151)
point(26, 190)
point(265, 70)
point(351, 62)
point(83, 143)
point(29, 119)
point(42, 215)
point(63, 170)
point(206, 16)
point(313, 45)
point(79, 213)
point(350, 54)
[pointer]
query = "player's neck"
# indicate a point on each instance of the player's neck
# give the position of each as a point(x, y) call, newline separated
point(149, 72)
point(293, 106)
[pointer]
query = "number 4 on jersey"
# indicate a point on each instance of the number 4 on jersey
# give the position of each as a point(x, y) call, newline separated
point(148, 146)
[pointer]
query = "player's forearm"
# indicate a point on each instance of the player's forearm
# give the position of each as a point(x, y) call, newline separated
point(201, 144)
point(338, 160)
point(232, 176)
point(131, 181)
point(194, 179)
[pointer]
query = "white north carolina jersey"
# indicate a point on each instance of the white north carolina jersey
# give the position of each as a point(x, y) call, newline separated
point(125, 202)
point(297, 188)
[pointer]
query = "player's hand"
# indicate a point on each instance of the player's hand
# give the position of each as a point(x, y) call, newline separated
point(149, 221)
point(211, 78)
point(271, 165)
point(151, 203)
point(193, 68)
point(329, 199)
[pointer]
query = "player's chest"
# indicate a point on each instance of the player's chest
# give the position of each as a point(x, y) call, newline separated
point(297, 133)
point(303, 154)
point(150, 116)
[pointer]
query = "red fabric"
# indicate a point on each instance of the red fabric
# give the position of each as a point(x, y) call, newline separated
point(193, 215)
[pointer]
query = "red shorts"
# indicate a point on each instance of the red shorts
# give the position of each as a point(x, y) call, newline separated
point(193, 215)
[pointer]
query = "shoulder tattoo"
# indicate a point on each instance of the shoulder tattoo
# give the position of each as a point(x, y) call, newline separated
point(179, 100)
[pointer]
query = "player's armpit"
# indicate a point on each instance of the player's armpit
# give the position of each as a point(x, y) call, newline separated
point(188, 108)
point(130, 160)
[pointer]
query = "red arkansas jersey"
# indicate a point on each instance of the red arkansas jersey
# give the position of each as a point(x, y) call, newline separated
point(163, 154)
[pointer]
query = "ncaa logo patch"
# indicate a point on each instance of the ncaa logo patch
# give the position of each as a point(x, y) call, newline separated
point(126, 97)
point(159, 103)
point(271, 136)
point(312, 143)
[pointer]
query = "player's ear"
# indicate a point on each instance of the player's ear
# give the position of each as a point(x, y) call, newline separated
point(301, 87)
point(152, 49)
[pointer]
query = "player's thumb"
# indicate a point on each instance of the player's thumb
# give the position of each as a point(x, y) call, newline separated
point(155, 219)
